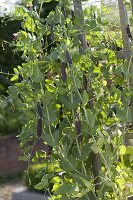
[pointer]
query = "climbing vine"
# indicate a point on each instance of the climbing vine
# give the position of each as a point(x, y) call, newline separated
point(77, 93)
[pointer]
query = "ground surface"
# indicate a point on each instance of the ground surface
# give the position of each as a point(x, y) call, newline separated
point(7, 189)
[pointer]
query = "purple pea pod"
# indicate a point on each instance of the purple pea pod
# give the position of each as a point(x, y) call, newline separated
point(39, 127)
point(84, 81)
point(78, 126)
point(129, 32)
point(63, 72)
point(69, 59)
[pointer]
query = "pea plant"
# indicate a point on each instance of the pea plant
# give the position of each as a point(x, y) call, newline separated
point(77, 94)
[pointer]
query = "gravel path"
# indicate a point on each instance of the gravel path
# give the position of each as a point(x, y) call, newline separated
point(7, 189)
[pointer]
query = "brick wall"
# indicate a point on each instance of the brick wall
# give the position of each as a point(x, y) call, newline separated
point(9, 155)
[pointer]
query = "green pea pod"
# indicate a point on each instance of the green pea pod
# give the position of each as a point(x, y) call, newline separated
point(39, 127)
point(69, 59)
point(63, 72)
point(39, 110)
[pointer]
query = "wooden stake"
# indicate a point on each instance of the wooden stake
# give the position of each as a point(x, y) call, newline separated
point(132, 6)
point(127, 47)
point(78, 11)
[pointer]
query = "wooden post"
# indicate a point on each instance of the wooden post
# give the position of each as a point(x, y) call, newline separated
point(127, 47)
point(124, 24)
point(132, 6)
point(78, 12)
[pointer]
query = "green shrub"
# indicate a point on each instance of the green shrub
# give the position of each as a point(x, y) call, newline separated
point(8, 59)
point(34, 176)
point(11, 120)
point(13, 177)
point(39, 173)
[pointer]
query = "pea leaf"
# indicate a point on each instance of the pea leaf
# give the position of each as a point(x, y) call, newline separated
point(39, 186)
point(65, 188)
point(90, 117)
point(122, 149)
point(85, 98)
point(24, 157)
point(45, 179)
point(52, 140)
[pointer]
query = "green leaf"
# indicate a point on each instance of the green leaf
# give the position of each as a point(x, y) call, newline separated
point(25, 157)
point(52, 117)
point(13, 90)
point(124, 114)
point(94, 148)
point(65, 188)
point(85, 152)
point(45, 179)
point(51, 88)
point(52, 140)
point(122, 150)
point(66, 166)
point(66, 101)
point(108, 182)
point(55, 186)
point(55, 179)
point(16, 71)
point(90, 117)
point(73, 161)
point(37, 76)
point(54, 55)
point(77, 83)
point(29, 24)
point(86, 183)
point(85, 99)
point(14, 78)
point(39, 186)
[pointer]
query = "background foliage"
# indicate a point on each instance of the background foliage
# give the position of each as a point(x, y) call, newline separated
point(8, 59)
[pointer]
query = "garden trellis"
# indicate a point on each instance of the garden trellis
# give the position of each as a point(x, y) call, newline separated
point(76, 81)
